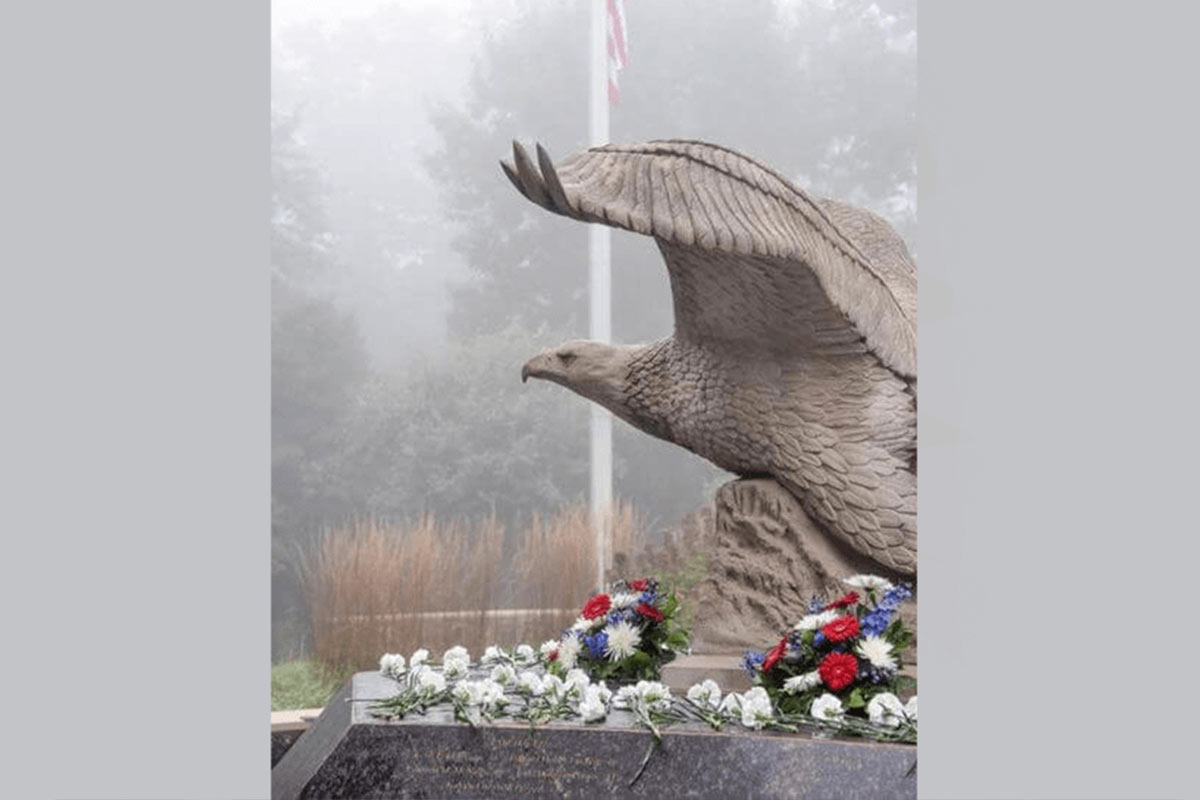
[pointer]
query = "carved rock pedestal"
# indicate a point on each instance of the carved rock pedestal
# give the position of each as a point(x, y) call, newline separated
point(769, 560)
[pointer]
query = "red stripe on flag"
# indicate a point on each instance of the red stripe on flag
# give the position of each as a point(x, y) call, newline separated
point(614, 94)
point(618, 31)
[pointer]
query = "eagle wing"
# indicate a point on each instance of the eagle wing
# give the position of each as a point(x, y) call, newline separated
point(752, 258)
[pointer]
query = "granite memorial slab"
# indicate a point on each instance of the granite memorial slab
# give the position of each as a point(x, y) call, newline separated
point(350, 753)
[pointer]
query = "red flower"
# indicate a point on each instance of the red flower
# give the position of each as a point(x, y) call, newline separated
point(838, 670)
point(553, 656)
point(647, 610)
point(842, 602)
point(777, 653)
point(640, 585)
point(841, 629)
point(598, 606)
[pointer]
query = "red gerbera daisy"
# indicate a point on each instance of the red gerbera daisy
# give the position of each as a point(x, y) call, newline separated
point(640, 585)
point(598, 606)
point(776, 653)
point(843, 601)
point(837, 670)
point(649, 611)
point(841, 629)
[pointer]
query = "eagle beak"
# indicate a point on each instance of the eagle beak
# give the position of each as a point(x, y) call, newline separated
point(524, 373)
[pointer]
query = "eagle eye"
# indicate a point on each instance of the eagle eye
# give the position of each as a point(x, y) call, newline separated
point(566, 358)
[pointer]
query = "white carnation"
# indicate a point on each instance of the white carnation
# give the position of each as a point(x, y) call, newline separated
point(554, 686)
point(581, 624)
point(430, 682)
point(593, 707)
point(530, 683)
point(492, 653)
point(826, 707)
point(626, 696)
point(602, 690)
point(813, 622)
point(878, 651)
point(654, 694)
point(456, 653)
point(391, 665)
point(868, 582)
point(549, 648)
point(456, 662)
point(466, 692)
point(504, 674)
point(418, 658)
point(491, 693)
point(576, 680)
point(910, 709)
point(802, 683)
point(885, 709)
point(623, 641)
point(731, 705)
point(705, 693)
point(756, 708)
point(525, 654)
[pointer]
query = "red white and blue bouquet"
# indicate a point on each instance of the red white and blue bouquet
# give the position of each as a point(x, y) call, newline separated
point(625, 634)
point(842, 659)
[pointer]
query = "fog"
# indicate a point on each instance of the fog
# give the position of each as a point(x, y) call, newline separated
point(411, 281)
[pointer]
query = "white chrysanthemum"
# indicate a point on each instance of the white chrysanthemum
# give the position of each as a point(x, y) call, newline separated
point(868, 582)
point(813, 622)
point(525, 654)
point(593, 707)
point(492, 653)
point(581, 624)
point(623, 641)
point(530, 683)
point(705, 693)
point(391, 665)
point(802, 683)
point(885, 709)
point(418, 658)
point(756, 708)
point(576, 681)
point(568, 651)
point(429, 681)
point(549, 648)
point(625, 600)
point(876, 650)
point(504, 674)
point(826, 707)
point(910, 709)
point(731, 705)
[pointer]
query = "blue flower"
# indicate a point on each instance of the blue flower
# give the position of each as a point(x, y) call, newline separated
point(752, 662)
point(875, 621)
point(818, 639)
point(596, 644)
point(894, 596)
point(816, 604)
point(648, 596)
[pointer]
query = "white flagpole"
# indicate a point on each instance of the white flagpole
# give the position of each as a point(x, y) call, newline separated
point(600, 294)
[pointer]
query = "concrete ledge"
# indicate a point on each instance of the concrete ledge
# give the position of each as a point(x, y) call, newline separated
point(349, 753)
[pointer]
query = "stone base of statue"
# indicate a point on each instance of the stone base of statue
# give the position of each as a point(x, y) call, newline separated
point(349, 753)
point(769, 560)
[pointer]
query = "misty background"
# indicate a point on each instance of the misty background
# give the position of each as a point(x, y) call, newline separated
point(410, 281)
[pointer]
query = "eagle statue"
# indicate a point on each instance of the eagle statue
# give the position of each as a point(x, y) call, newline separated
point(794, 354)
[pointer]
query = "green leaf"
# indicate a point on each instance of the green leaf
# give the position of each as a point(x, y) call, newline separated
point(855, 700)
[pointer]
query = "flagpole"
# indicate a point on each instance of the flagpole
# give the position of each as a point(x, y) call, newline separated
point(600, 295)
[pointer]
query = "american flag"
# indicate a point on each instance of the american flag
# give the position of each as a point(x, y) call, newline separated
point(617, 44)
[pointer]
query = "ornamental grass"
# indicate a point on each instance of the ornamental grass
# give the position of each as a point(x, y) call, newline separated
point(374, 586)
